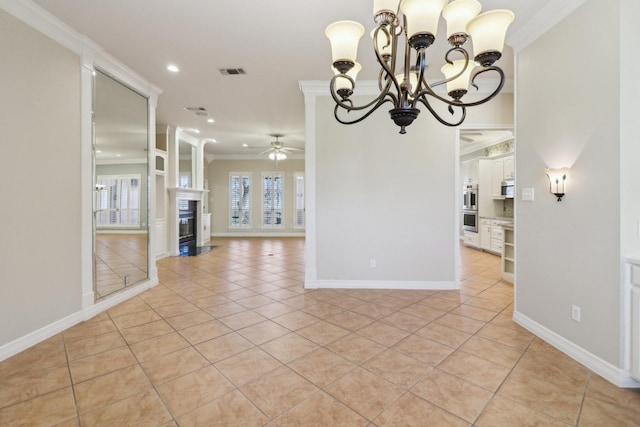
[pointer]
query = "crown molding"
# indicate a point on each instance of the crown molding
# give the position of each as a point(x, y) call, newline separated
point(545, 19)
point(92, 54)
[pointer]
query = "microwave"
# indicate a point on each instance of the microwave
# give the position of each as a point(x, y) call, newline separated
point(507, 190)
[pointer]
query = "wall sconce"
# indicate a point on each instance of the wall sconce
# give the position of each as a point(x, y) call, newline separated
point(557, 181)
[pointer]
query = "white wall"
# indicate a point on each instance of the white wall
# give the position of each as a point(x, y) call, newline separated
point(386, 197)
point(629, 144)
point(568, 114)
point(217, 172)
point(40, 175)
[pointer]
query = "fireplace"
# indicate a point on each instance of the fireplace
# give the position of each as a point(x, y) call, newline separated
point(184, 222)
point(187, 225)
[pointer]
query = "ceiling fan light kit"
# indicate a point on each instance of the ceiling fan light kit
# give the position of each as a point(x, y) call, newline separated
point(278, 151)
point(413, 25)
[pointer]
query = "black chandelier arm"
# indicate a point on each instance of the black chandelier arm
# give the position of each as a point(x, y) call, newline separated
point(421, 65)
point(361, 118)
point(494, 93)
point(453, 103)
point(463, 111)
point(449, 61)
point(387, 87)
point(347, 104)
point(387, 69)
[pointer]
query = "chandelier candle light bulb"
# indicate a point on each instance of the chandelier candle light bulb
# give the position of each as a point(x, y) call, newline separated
point(416, 21)
point(458, 13)
point(488, 31)
point(422, 21)
point(344, 37)
point(458, 75)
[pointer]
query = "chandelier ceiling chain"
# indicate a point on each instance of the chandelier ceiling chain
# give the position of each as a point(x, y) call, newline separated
point(416, 21)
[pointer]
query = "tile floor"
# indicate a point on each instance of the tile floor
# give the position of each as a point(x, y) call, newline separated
point(119, 256)
point(230, 338)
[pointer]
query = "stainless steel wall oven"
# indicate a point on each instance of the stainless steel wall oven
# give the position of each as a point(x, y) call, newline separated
point(470, 197)
point(470, 220)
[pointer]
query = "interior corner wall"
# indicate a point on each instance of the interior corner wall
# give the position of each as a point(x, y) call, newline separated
point(567, 114)
point(40, 171)
point(630, 148)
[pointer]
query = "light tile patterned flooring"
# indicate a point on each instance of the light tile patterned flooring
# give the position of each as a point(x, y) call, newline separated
point(231, 338)
point(119, 256)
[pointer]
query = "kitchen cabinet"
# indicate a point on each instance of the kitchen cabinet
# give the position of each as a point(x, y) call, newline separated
point(485, 233)
point(501, 170)
point(508, 168)
point(497, 234)
point(469, 171)
point(508, 254)
point(631, 315)
point(469, 238)
point(492, 234)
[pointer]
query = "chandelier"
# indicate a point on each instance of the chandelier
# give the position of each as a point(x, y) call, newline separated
point(416, 22)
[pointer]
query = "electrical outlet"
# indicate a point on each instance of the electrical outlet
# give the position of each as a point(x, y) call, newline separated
point(575, 313)
point(373, 263)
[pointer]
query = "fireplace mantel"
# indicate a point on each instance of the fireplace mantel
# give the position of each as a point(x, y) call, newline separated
point(176, 194)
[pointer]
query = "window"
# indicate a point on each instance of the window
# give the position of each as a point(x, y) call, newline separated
point(299, 199)
point(272, 185)
point(118, 201)
point(240, 199)
point(184, 180)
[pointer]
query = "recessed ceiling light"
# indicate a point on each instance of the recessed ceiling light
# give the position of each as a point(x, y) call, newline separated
point(210, 120)
point(173, 68)
point(118, 155)
point(245, 145)
point(98, 151)
point(195, 130)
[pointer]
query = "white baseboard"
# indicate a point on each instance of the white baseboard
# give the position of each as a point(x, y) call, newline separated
point(35, 337)
point(381, 284)
point(260, 234)
point(606, 370)
point(16, 346)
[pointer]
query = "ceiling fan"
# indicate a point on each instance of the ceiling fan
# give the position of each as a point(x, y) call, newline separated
point(278, 151)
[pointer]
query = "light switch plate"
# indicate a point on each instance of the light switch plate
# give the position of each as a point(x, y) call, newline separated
point(527, 194)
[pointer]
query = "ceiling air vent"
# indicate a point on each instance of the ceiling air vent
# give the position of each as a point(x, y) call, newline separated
point(232, 71)
point(198, 111)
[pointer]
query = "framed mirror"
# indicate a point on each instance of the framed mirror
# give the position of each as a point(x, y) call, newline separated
point(121, 183)
point(186, 169)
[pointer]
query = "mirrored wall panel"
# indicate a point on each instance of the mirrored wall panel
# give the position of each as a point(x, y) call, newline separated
point(121, 211)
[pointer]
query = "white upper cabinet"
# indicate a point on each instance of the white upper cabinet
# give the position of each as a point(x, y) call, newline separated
point(502, 169)
point(509, 170)
point(469, 172)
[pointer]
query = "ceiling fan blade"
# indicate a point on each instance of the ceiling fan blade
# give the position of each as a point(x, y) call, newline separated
point(266, 151)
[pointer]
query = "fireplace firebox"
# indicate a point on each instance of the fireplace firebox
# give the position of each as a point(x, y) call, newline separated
point(187, 224)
